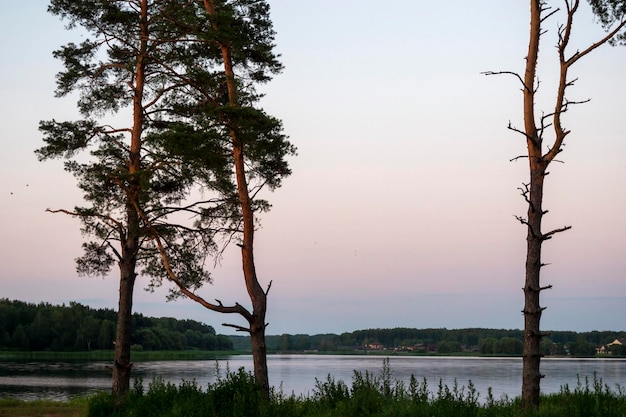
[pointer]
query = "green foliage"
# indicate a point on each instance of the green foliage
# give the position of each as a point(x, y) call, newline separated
point(589, 398)
point(236, 394)
point(610, 13)
point(446, 346)
point(164, 70)
point(505, 342)
point(44, 327)
point(76, 407)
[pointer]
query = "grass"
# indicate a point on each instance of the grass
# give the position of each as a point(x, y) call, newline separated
point(41, 408)
point(235, 394)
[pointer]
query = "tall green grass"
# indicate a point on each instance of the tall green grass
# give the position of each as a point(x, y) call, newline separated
point(76, 407)
point(234, 394)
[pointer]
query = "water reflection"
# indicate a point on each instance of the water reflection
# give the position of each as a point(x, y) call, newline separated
point(297, 373)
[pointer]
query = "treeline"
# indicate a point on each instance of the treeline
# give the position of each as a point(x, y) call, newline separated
point(45, 327)
point(476, 340)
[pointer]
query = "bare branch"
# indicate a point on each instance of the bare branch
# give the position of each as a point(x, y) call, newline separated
point(516, 75)
point(525, 192)
point(239, 328)
point(514, 129)
point(524, 221)
point(518, 157)
point(551, 233)
point(549, 14)
point(601, 42)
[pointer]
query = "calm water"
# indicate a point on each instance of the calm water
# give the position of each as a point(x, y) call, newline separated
point(297, 373)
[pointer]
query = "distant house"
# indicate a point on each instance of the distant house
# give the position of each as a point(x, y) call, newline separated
point(606, 349)
point(374, 346)
point(615, 342)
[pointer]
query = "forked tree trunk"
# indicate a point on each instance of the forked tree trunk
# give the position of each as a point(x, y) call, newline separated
point(538, 165)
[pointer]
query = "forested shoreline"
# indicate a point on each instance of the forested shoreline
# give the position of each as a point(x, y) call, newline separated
point(478, 341)
point(75, 327)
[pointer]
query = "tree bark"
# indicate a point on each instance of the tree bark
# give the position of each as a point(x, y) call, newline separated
point(531, 374)
point(130, 242)
point(258, 296)
point(538, 165)
point(121, 363)
point(259, 353)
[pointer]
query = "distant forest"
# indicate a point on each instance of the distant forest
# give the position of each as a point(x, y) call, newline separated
point(45, 327)
point(444, 341)
point(75, 327)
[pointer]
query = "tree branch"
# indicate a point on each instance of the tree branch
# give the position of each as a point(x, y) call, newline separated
point(601, 42)
point(528, 137)
point(107, 219)
point(239, 328)
point(551, 233)
point(173, 277)
point(516, 75)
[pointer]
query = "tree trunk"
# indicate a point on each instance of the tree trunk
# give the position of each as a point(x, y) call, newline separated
point(531, 375)
point(257, 295)
point(130, 245)
point(122, 364)
point(259, 353)
point(533, 194)
point(538, 165)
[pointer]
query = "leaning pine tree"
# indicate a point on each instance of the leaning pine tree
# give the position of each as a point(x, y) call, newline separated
point(220, 97)
point(612, 16)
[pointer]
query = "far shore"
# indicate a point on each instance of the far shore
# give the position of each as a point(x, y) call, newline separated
point(105, 355)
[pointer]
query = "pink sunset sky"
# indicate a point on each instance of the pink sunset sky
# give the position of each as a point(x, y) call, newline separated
point(400, 210)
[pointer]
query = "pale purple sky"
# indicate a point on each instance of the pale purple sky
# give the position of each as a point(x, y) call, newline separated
point(400, 210)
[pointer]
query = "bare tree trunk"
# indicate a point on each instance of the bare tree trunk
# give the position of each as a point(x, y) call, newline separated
point(531, 375)
point(533, 193)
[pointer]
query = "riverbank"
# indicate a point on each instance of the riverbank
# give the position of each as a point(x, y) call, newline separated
point(367, 396)
point(306, 385)
point(42, 408)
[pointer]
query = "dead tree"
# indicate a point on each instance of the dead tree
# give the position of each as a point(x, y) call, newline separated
point(540, 157)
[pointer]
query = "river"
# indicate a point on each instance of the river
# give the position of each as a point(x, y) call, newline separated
point(297, 373)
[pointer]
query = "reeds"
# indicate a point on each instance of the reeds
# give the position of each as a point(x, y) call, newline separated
point(235, 394)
